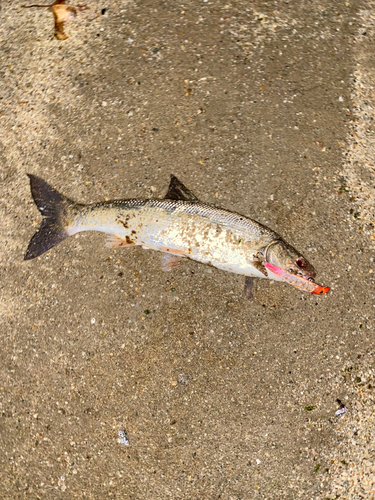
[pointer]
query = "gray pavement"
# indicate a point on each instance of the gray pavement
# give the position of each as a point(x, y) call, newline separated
point(250, 104)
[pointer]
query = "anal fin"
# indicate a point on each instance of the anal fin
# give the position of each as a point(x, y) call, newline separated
point(170, 262)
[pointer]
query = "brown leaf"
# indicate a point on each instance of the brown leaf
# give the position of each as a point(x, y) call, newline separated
point(62, 14)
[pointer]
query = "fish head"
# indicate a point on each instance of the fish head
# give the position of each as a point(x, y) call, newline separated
point(284, 256)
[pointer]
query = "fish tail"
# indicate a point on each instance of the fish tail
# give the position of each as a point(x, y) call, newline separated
point(53, 206)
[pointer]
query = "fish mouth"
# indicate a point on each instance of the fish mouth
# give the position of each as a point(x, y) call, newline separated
point(307, 272)
point(307, 276)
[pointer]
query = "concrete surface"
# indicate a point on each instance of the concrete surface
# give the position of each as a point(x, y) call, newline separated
point(255, 107)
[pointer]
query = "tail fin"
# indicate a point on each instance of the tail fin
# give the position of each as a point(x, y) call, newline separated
point(52, 205)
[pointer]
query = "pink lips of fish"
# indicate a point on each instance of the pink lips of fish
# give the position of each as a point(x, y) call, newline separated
point(297, 281)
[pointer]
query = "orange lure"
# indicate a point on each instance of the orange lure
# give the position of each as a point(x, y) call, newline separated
point(297, 281)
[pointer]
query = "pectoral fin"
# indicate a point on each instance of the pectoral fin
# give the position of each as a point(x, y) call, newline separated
point(177, 191)
point(258, 265)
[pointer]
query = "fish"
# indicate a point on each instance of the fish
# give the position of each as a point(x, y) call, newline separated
point(181, 227)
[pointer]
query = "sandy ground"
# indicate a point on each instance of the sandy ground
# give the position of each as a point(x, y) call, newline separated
point(260, 107)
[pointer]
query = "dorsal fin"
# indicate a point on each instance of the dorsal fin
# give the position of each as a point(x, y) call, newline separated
point(177, 191)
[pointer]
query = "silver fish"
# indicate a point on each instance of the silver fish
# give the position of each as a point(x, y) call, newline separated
point(178, 225)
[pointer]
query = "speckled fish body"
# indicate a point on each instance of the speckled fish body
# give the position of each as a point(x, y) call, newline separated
point(198, 231)
point(178, 225)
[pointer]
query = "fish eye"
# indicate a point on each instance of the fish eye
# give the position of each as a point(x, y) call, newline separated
point(291, 270)
point(300, 262)
point(311, 279)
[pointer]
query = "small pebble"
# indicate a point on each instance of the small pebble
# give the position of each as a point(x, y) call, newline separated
point(123, 438)
point(341, 411)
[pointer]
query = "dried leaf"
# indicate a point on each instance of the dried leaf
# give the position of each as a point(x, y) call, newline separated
point(62, 14)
